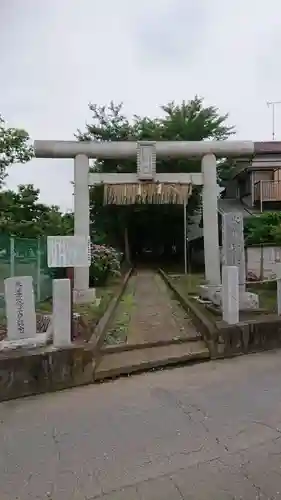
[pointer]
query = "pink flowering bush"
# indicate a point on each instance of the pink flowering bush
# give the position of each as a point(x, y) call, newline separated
point(105, 263)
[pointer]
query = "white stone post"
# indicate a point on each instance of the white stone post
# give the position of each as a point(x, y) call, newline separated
point(278, 283)
point(210, 220)
point(81, 214)
point(62, 312)
point(230, 294)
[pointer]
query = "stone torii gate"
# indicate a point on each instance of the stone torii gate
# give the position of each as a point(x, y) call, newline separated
point(146, 153)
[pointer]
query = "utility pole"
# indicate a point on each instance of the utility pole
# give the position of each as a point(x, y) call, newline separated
point(272, 104)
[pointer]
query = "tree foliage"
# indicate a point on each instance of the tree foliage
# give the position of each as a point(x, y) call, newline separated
point(264, 229)
point(21, 214)
point(149, 226)
point(188, 121)
point(14, 147)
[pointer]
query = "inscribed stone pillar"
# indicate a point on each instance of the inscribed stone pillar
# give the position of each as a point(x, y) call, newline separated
point(20, 307)
point(233, 251)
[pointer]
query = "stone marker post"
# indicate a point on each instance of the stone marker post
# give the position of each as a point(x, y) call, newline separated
point(70, 252)
point(20, 307)
point(233, 254)
point(230, 294)
point(233, 251)
point(62, 312)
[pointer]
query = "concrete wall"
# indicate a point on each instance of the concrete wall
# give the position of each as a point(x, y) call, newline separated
point(254, 256)
point(262, 262)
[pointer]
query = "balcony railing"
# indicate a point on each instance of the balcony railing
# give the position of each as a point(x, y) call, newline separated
point(267, 191)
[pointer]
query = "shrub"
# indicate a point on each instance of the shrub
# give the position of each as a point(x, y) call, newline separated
point(105, 263)
point(264, 228)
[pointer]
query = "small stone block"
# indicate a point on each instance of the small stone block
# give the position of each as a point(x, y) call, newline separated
point(62, 312)
point(249, 300)
point(84, 296)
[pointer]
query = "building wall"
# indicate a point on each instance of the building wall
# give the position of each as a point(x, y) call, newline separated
point(277, 174)
point(262, 175)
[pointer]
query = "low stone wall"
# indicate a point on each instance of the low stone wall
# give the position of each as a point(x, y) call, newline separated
point(47, 369)
point(260, 334)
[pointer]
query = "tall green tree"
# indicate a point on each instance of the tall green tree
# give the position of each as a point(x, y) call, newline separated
point(14, 148)
point(21, 214)
point(187, 121)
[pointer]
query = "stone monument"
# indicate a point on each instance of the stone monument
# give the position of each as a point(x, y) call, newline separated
point(233, 254)
point(233, 251)
point(20, 308)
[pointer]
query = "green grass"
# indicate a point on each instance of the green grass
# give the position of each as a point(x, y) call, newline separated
point(267, 295)
point(188, 283)
point(119, 328)
point(90, 311)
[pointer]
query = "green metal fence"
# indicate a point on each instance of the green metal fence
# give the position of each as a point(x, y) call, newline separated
point(25, 257)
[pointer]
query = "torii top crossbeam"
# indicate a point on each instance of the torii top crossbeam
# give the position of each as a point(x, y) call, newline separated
point(175, 149)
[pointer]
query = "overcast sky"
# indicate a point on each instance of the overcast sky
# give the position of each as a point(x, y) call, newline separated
point(57, 55)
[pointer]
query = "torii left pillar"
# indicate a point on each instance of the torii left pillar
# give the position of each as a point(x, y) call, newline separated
point(210, 220)
point(82, 292)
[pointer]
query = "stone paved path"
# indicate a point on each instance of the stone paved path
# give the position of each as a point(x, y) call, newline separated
point(204, 432)
point(153, 313)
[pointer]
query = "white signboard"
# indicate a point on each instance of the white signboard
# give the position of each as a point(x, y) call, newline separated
point(68, 251)
point(20, 307)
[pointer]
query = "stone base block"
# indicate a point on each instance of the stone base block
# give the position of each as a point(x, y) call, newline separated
point(247, 300)
point(84, 296)
point(212, 293)
point(40, 340)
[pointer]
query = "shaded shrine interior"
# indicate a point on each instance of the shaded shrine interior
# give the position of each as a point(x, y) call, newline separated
point(156, 235)
point(152, 235)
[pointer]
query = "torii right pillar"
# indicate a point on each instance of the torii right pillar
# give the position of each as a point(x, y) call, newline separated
point(210, 220)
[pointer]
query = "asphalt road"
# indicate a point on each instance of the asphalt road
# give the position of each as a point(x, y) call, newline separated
point(209, 431)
